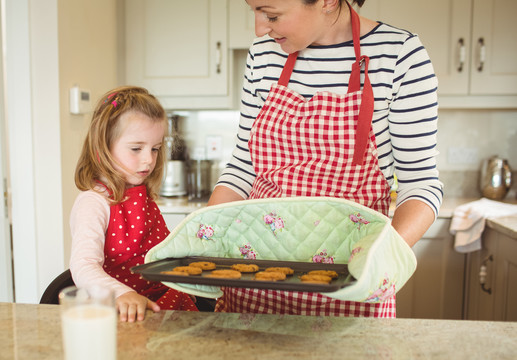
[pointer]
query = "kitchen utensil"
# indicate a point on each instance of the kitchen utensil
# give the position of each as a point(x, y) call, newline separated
point(153, 271)
point(198, 179)
point(174, 179)
point(496, 178)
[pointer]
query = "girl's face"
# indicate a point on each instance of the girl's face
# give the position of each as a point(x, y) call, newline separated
point(291, 23)
point(136, 149)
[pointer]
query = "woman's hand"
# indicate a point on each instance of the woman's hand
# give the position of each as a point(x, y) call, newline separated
point(132, 306)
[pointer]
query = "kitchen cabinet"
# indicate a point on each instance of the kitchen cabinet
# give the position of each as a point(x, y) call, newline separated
point(179, 51)
point(435, 291)
point(471, 44)
point(173, 220)
point(492, 279)
point(241, 25)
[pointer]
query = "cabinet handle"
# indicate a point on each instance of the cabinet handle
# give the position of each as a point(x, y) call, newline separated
point(461, 54)
point(482, 54)
point(483, 274)
point(218, 57)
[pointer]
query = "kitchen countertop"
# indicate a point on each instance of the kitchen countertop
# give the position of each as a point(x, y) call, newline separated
point(506, 225)
point(30, 331)
point(179, 205)
point(183, 205)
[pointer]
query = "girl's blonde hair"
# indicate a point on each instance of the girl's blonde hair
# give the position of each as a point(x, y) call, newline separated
point(96, 163)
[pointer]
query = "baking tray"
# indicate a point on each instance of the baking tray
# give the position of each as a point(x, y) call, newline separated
point(152, 271)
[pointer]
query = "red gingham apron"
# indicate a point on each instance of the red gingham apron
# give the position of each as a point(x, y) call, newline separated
point(135, 226)
point(321, 147)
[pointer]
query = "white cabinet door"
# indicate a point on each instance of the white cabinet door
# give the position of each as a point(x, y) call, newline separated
point(443, 26)
point(173, 220)
point(241, 25)
point(177, 49)
point(494, 47)
point(471, 43)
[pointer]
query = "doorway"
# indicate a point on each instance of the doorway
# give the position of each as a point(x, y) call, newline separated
point(6, 260)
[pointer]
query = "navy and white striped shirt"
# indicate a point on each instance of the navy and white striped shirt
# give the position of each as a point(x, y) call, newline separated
point(405, 115)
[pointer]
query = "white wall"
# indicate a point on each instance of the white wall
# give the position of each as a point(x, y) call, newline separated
point(50, 45)
point(88, 50)
point(32, 116)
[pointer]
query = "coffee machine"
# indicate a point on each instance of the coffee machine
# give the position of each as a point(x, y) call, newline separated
point(174, 181)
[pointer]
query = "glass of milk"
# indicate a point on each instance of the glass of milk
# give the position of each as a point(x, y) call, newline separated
point(89, 323)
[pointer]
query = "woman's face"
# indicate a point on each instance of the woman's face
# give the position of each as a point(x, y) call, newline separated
point(136, 149)
point(291, 23)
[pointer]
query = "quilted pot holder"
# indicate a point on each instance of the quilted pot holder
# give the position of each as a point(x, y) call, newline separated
point(306, 229)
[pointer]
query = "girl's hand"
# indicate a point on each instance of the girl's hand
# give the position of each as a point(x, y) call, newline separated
point(132, 306)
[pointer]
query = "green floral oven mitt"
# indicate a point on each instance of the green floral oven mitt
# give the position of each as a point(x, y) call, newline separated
point(306, 229)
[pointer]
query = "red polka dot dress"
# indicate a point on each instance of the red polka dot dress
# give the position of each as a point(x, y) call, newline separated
point(135, 226)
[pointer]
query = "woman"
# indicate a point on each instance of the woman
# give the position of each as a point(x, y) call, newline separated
point(333, 104)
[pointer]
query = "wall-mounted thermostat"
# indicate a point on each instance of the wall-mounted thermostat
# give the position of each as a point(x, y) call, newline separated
point(79, 100)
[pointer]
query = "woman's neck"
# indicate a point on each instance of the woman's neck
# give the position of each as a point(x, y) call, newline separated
point(340, 27)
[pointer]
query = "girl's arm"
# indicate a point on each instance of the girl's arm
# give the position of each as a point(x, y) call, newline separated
point(88, 222)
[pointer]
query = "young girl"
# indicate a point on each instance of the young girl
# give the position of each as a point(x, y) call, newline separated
point(114, 220)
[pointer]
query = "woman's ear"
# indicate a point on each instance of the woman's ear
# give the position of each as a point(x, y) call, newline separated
point(330, 6)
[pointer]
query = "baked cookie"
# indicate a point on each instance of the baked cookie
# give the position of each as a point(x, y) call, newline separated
point(269, 276)
point(228, 274)
point(174, 272)
point(282, 269)
point(191, 270)
point(203, 265)
point(316, 279)
point(245, 268)
point(330, 273)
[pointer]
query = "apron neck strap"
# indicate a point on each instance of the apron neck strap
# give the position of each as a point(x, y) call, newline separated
point(288, 69)
point(364, 120)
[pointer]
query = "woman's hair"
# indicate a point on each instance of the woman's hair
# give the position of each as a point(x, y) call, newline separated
point(96, 163)
point(358, 2)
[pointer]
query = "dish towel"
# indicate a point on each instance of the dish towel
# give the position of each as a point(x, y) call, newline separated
point(468, 222)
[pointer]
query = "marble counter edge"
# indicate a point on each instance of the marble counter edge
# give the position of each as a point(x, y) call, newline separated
point(505, 224)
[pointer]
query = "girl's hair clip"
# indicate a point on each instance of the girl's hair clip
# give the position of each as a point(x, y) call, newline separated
point(114, 103)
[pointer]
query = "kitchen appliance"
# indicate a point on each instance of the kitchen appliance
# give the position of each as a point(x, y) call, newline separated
point(174, 181)
point(496, 178)
point(199, 184)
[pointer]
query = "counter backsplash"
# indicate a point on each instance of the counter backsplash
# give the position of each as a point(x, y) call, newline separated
point(465, 184)
point(458, 129)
